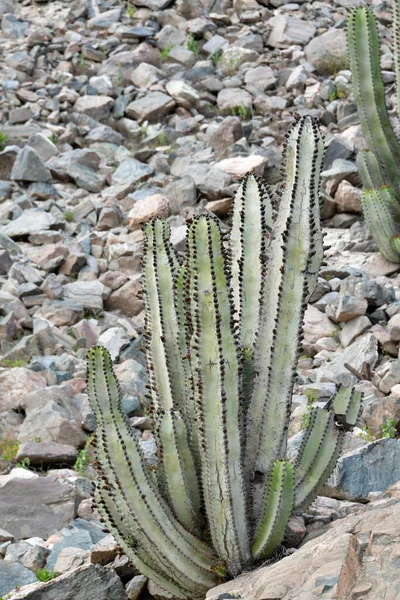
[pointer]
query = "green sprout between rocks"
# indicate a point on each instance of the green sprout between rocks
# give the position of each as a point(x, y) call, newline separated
point(193, 45)
point(222, 336)
point(83, 460)
point(3, 140)
point(165, 53)
point(243, 112)
point(69, 216)
point(45, 575)
point(130, 10)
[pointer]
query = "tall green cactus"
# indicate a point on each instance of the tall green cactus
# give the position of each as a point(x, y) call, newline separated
point(222, 334)
point(379, 165)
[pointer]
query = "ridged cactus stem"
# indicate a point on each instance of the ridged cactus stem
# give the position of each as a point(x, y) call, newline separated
point(378, 208)
point(218, 398)
point(295, 255)
point(370, 170)
point(189, 559)
point(369, 93)
point(396, 48)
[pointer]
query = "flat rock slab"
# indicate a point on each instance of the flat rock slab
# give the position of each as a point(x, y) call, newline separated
point(36, 507)
point(12, 574)
point(335, 564)
point(47, 453)
point(372, 468)
point(89, 582)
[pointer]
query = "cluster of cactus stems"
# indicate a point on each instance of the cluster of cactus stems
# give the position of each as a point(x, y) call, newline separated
point(379, 164)
point(222, 337)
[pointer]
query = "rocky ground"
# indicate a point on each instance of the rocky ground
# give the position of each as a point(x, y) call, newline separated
point(113, 113)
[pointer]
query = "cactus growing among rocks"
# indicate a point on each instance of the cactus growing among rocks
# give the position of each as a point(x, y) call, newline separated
point(222, 334)
point(379, 164)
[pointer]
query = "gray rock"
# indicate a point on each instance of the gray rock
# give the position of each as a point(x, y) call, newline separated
point(146, 75)
point(182, 92)
point(29, 167)
point(328, 52)
point(6, 6)
point(261, 77)
point(341, 169)
point(170, 36)
point(152, 107)
point(47, 453)
point(69, 559)
point(213, 183)
point(231, 99)
point(30, 555)
point(89, 582)
point(371, 468)
point(353, 329)
point(153, 4)
point(391, 377)
point(32, 220)
point(181, 194)
point(114, 339)
point(105, 19)
point(20, 499)
point(130, 171)
point(350, 307)
point(364, 349)
point(135, 587)
point(12, 27)
point(89, 294)
point(12, 574)
point(80, 166)
point(97, 107)
point(289, 30)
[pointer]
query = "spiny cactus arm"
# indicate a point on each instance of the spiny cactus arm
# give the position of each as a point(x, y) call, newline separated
point(377, 206)
point(396, 48)
point(347, 406)
point(251, 227)
point(295, 256)
point(143, 562)
point(370, 170)
point(216, 360)
point(167, 374)
point(369, 92)
point(190, 557)
point(179, 470)
point(317, 456)
point(277, 506)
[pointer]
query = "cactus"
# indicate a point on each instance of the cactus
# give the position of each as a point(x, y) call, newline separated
point(379, 165)
point(222, 334)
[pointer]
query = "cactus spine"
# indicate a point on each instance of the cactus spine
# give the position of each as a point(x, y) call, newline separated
point(222, 333)
point(378, 166)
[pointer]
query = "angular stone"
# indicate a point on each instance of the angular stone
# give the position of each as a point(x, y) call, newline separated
point(104, 552)
point(230, 99)
point(371, 468)
point(353, 329)
point(289, 30)
point(129, 172)
point(363, 350)
point(238, 166)
point(47, 453)
point(17, 383)
point(29, 167)
point(350, 307)
point(181, 194)
point(29, 554)
point(62, 425)
point(348, 198)
point(89, 294)
point(69, 559)
point(125, 299)
point(328, 52)
point(89, 582)
point(105, 19)
point(153, 206)
point(114, 339)
point(135, 587)
point(146, 75)
point(391, 377)
point(233, 58)
point(261, 77)
point(182, 92)
point(229, 131)
point(97, 107)
point(393, 328)
point(80, 166)
point(13, 574)
point(20, 499)
point(151, 107)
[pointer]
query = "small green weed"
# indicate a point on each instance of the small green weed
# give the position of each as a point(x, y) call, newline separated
point(161, 138)
point(83, 459)
point(193, 45)
point(305, 417)
point(3, 140)
point(53, 138)
point(216, 58)
point(241, 111)
point(120, 77)
point(329, 276)
point(37, 439)
point(69, 216)
point(366, 434)
point(82, 60)
point(44, 574)
point(389, 429)
point(130, 10)
point(24, 464)
point(11, 364)
point(165, 53)
point(312, 395)
point(8, 448)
